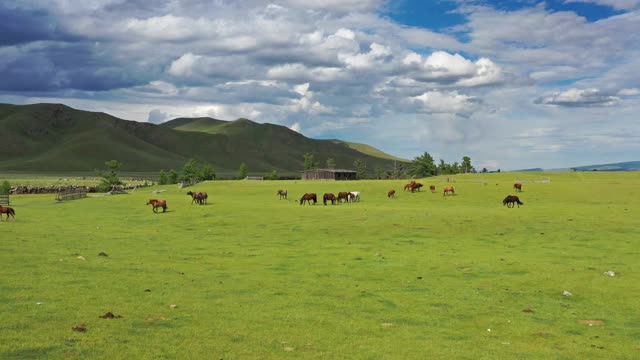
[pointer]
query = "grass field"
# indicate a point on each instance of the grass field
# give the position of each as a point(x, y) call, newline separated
point(254, 277)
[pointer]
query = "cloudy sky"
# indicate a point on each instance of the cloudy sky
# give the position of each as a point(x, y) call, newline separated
point(511, 83)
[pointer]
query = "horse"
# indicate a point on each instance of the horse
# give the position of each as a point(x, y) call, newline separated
point(155, 203)
point(409, 185)
point(416, 187)
point(391, 194)
point(200, 197)
point(511, 200)
point(449, 189)
point(9, 211)
point(308, 197)
point(330, 197)
point(518, 187)
point(282, 194)
point(432, 188)
point(354, 196)
point(343, 195)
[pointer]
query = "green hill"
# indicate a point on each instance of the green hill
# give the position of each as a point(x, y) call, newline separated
point(57, 138)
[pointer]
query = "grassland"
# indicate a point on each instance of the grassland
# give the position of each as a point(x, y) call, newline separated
point(252, 276)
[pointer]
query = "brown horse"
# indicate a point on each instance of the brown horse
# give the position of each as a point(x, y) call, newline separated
point(308, 198)
point(409, 185)
point(449, 189)
point(9, 211)
point(432, 188)
point(330, 197)
point(391, 194)
point(199, 197)
point(416, 187)
point(518, 187)
point(282, 194)
point(158, 203)
point(511, 201)
point(343, 195)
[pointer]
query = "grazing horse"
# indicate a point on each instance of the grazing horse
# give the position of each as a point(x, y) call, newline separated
point(416, 187)
point(511, 201)
point(409, 185)
point(343, 195)
point(330, 197)
point(518, 187)
point(449, 189)
point(199, 197)
point(9, 211)
point(391, 194)
point(354, 196)
point(432, 188)
point(158, 203)
point(282, 194)
point(308, 197)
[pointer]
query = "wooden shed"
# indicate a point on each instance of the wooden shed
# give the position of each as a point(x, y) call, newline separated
point(329, 174)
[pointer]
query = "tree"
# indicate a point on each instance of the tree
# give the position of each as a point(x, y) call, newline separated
point(207, 172)
point(484, 170)
point(455, 168)
point(380, 173)
point(361, 168)
point(423, 166)
point(190, 171)
point(163, 179)
point(331, 164)
point(243, 171)
point(5, 188)
point(309, 162)
point(109, 175)
point(443, 168)
point(173, 177)
point(273, 175)
point(466, 165)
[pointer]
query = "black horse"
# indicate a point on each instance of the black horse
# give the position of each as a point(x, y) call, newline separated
point(511, 201)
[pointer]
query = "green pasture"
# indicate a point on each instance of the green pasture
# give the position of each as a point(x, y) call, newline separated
point(422, 276)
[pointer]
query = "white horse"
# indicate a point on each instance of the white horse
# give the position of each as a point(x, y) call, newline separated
point(353, 196)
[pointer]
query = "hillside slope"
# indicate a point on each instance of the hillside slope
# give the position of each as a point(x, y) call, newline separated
point(57, 138)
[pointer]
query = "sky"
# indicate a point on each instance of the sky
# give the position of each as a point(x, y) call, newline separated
point(513, 84)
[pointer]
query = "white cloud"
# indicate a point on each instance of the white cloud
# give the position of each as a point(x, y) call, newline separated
point(296, 127)
point(616, 4)
point(443, 67)
point(440, 102)
point(629, 92)
point(580, 98)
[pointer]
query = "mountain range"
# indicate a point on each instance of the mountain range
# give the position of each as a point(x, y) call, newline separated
point(57, 138)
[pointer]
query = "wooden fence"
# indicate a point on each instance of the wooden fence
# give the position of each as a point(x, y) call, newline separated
point(71, 194)
point(4, 200)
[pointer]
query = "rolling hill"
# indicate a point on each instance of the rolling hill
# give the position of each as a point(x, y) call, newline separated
point(57, 138)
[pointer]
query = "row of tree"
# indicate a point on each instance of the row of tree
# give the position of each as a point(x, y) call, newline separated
point(424, 165)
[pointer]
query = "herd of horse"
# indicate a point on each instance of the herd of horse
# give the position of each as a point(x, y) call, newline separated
point(343, 196)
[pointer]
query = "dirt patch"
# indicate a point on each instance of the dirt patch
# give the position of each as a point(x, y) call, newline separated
point(528, 311)
point(80, 328)
point(386, 325)
point(591, 322)
point(110, 315)
point(541, 334)
point(156, 318)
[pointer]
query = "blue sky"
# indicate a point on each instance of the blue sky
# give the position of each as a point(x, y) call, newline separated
point(512, 84)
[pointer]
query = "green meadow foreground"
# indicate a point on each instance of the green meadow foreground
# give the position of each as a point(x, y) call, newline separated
point(251, 276)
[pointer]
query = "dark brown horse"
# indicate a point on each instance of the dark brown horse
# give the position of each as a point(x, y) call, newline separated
point(282, 194)
point(518, 187)
point(449, 189)
point(511, 201)
point(330, 197)
point(157, 204)
point(343, 195)
point(9, 211)
point(199, 197)
point(391, 194)
point(409, 185)
point(308, 198)
point(432, 188)
point(416, 187)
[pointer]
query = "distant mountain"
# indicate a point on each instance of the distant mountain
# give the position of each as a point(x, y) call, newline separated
point(532, 169)
point(621, 166)
point(57, 138)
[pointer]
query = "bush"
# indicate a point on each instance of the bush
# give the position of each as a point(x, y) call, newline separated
point(5, 188)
